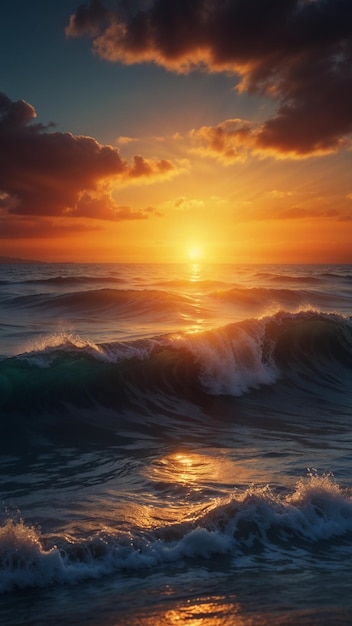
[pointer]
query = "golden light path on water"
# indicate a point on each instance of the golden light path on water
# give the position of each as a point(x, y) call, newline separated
point(214, 610)
point(197, 470)
point(190, 475)
point(196, 320)
point(211, 611)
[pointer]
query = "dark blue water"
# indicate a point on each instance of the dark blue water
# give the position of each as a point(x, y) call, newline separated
point(175, 444)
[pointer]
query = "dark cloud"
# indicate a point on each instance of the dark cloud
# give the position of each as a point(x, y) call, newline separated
point(296, 52)
point(19, 227)
point(48, 173)
point(142, 167)
point(87, 19)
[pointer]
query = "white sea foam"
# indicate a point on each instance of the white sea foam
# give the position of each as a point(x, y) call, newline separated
point(257, 526)
point(42, 352)
point(232, 364)
point(23, 561)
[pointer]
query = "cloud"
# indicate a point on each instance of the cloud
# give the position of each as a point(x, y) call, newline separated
point(298, 53)
point(302, 213)
point(184, 204)
point(275, 193)
point(103, 207)
point(143, 168)
point(87, 19)
point(47, 173)
point(19, 227)
point(125, 140)
point(332, 214)
point(228, 142)
point(298, 213)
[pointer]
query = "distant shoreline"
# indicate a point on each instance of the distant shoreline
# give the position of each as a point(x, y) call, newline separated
point(14, 260)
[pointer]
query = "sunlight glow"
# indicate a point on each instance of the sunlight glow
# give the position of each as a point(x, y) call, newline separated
point(194, 253)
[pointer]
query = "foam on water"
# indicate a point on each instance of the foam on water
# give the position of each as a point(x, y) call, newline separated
point(305, 350)
point(43, 352)
point(232, 362)
point(258, 527)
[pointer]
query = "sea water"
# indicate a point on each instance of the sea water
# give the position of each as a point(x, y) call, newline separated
point(175, 445)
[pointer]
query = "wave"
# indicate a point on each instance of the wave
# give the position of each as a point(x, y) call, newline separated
point(259, 527)
point(295, 349)
point(284, 278)
point(262, 298)
point(63, 281)
point(197, 284)
point(169, 307)
point(135, 302)
point(345, 274)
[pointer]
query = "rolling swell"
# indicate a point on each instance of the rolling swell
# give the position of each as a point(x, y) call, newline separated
point(134, 302)
point(204, 299)
point(288, 279)
point(66, 281)
point(264, 298)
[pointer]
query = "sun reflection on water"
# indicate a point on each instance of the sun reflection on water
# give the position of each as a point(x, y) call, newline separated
point(197, 472)
point(213, 611)
point(195, 273)
point(195, 319)
point(205, 611)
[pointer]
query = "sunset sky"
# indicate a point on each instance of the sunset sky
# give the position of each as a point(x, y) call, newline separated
point(161, 130)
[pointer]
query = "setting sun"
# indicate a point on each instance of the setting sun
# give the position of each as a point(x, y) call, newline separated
point(194, 253)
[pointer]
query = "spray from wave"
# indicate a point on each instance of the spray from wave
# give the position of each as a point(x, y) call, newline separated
point(257, 527)
point(232, 360)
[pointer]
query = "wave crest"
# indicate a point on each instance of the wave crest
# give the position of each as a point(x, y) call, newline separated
point(229, 360)
point(259, 526)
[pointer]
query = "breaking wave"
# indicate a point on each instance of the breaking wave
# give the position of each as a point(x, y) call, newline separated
point(228, 360)
point(258, 527)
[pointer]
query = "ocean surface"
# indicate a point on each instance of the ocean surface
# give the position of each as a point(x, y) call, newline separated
point(175, 445)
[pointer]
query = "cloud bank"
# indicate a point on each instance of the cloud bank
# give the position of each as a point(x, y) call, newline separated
point(46, 173)
point(298, 53)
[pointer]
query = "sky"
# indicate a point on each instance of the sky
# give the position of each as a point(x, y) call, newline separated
point(175, 130)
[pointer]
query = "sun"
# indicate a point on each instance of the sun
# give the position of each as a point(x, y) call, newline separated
point(194, 253)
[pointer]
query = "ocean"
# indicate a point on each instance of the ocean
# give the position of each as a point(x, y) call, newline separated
point(175, 445)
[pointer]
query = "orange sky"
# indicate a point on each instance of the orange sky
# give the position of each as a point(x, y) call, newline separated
point(199, 142)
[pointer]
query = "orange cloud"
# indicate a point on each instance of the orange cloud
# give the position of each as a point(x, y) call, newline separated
point(228, 142)
point(51, 173)
point(302, 213)
point(298, 53)
point(144, 168)
point(184, 204)
point(125, 140)
point(275, 193)
point(235, 140)
point(103, 207)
